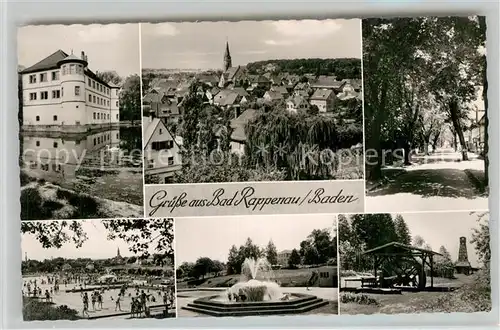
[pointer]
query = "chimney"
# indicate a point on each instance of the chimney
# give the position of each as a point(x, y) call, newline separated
point(83, 55)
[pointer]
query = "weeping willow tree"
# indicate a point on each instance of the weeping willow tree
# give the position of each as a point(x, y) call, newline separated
point(303, 146)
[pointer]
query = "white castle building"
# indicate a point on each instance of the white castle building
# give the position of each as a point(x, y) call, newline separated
point(60, 93)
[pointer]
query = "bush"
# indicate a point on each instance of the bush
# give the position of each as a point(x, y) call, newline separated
point(36, 310)
point(31, 204)
point(361, 299)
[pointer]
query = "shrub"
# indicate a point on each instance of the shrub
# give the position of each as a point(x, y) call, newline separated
point(31, 204)
point(361, 299)
point(35, 310)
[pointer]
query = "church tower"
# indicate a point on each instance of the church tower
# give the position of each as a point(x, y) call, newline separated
point(118, 253)
point(227, 58)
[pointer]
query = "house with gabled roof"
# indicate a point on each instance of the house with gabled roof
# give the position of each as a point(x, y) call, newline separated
point(328, 82)
point(296, 103)
point(61, 93)
point(162, 158)
point(271, 96)
point(324, 99)
point(238, 136)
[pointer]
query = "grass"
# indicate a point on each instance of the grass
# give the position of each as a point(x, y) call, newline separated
point(474, 295)
point(37, 310)
point(286, 277)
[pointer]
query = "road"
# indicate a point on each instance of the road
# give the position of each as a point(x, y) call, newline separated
point(433, 183)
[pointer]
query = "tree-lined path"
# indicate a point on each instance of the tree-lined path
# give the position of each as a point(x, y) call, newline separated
point(433, 182)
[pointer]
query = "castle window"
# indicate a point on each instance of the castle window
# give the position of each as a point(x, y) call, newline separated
point(37, 143)
point(44, 95)
point(37, 118)
point(93, 84)
point(116, 92)
point(72, 69)
point(116, 103)
point(55, 118)
point(88, 82)
point(90, 98)
point(55, 75)
point(108, 103)
point(95, 141)
point(116, 117)
point(55, 144)
point(93, 98)
point(32, 96)
point(43, 77)
point(94, 116)
point(108, 116)
point(62, 91)
point(33, 79)
point(56, 94)
point(64, 72)
point(77, 90)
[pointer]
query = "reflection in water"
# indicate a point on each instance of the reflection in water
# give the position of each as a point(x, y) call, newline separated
point(95, 163)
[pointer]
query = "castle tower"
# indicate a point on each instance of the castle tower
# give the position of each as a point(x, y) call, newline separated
point(227, 58)
point(115, 103)
point(72, 91)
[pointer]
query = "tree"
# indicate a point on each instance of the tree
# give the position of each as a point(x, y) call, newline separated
point(110, 77)
point(374, 230)
point(202, 267)
point(294, 259)
point(130, 99)
point(144, 234)
point(233, 265)
point(418, 241)
point(271, 253)
point(481, 239)
point(402, 231)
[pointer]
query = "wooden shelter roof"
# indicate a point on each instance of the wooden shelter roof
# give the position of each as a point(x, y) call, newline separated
point(396, 246)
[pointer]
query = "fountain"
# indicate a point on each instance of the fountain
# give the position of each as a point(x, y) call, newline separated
point(257, 293)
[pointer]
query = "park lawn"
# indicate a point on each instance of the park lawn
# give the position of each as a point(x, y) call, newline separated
point(286, 277)
point(473, 295)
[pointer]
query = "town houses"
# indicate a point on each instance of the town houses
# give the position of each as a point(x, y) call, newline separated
point(61, 93)
point(240, 90)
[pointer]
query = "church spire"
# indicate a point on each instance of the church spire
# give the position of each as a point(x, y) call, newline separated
point(227, 57)
point(118, 253)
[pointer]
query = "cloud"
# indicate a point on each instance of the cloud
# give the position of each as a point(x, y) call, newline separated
point(294, 32)
point(252, 52)
point(100, 33)
point(165, 29)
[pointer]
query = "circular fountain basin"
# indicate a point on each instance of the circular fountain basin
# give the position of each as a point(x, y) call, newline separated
point(216, 305)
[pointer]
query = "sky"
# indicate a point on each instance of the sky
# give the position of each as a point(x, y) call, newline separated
point(213, 236)
point(445, 228)
point(96, 247)
point(111, 47)
point(201, 45)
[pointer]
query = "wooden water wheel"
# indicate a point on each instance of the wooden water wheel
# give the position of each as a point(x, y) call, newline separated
point(409, 273)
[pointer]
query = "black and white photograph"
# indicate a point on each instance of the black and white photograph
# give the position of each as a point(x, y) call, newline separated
point(80, 121)
point(95, 269)
point(256, 266)
point(426, 114)
point(411, 263)
point(252, 101)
